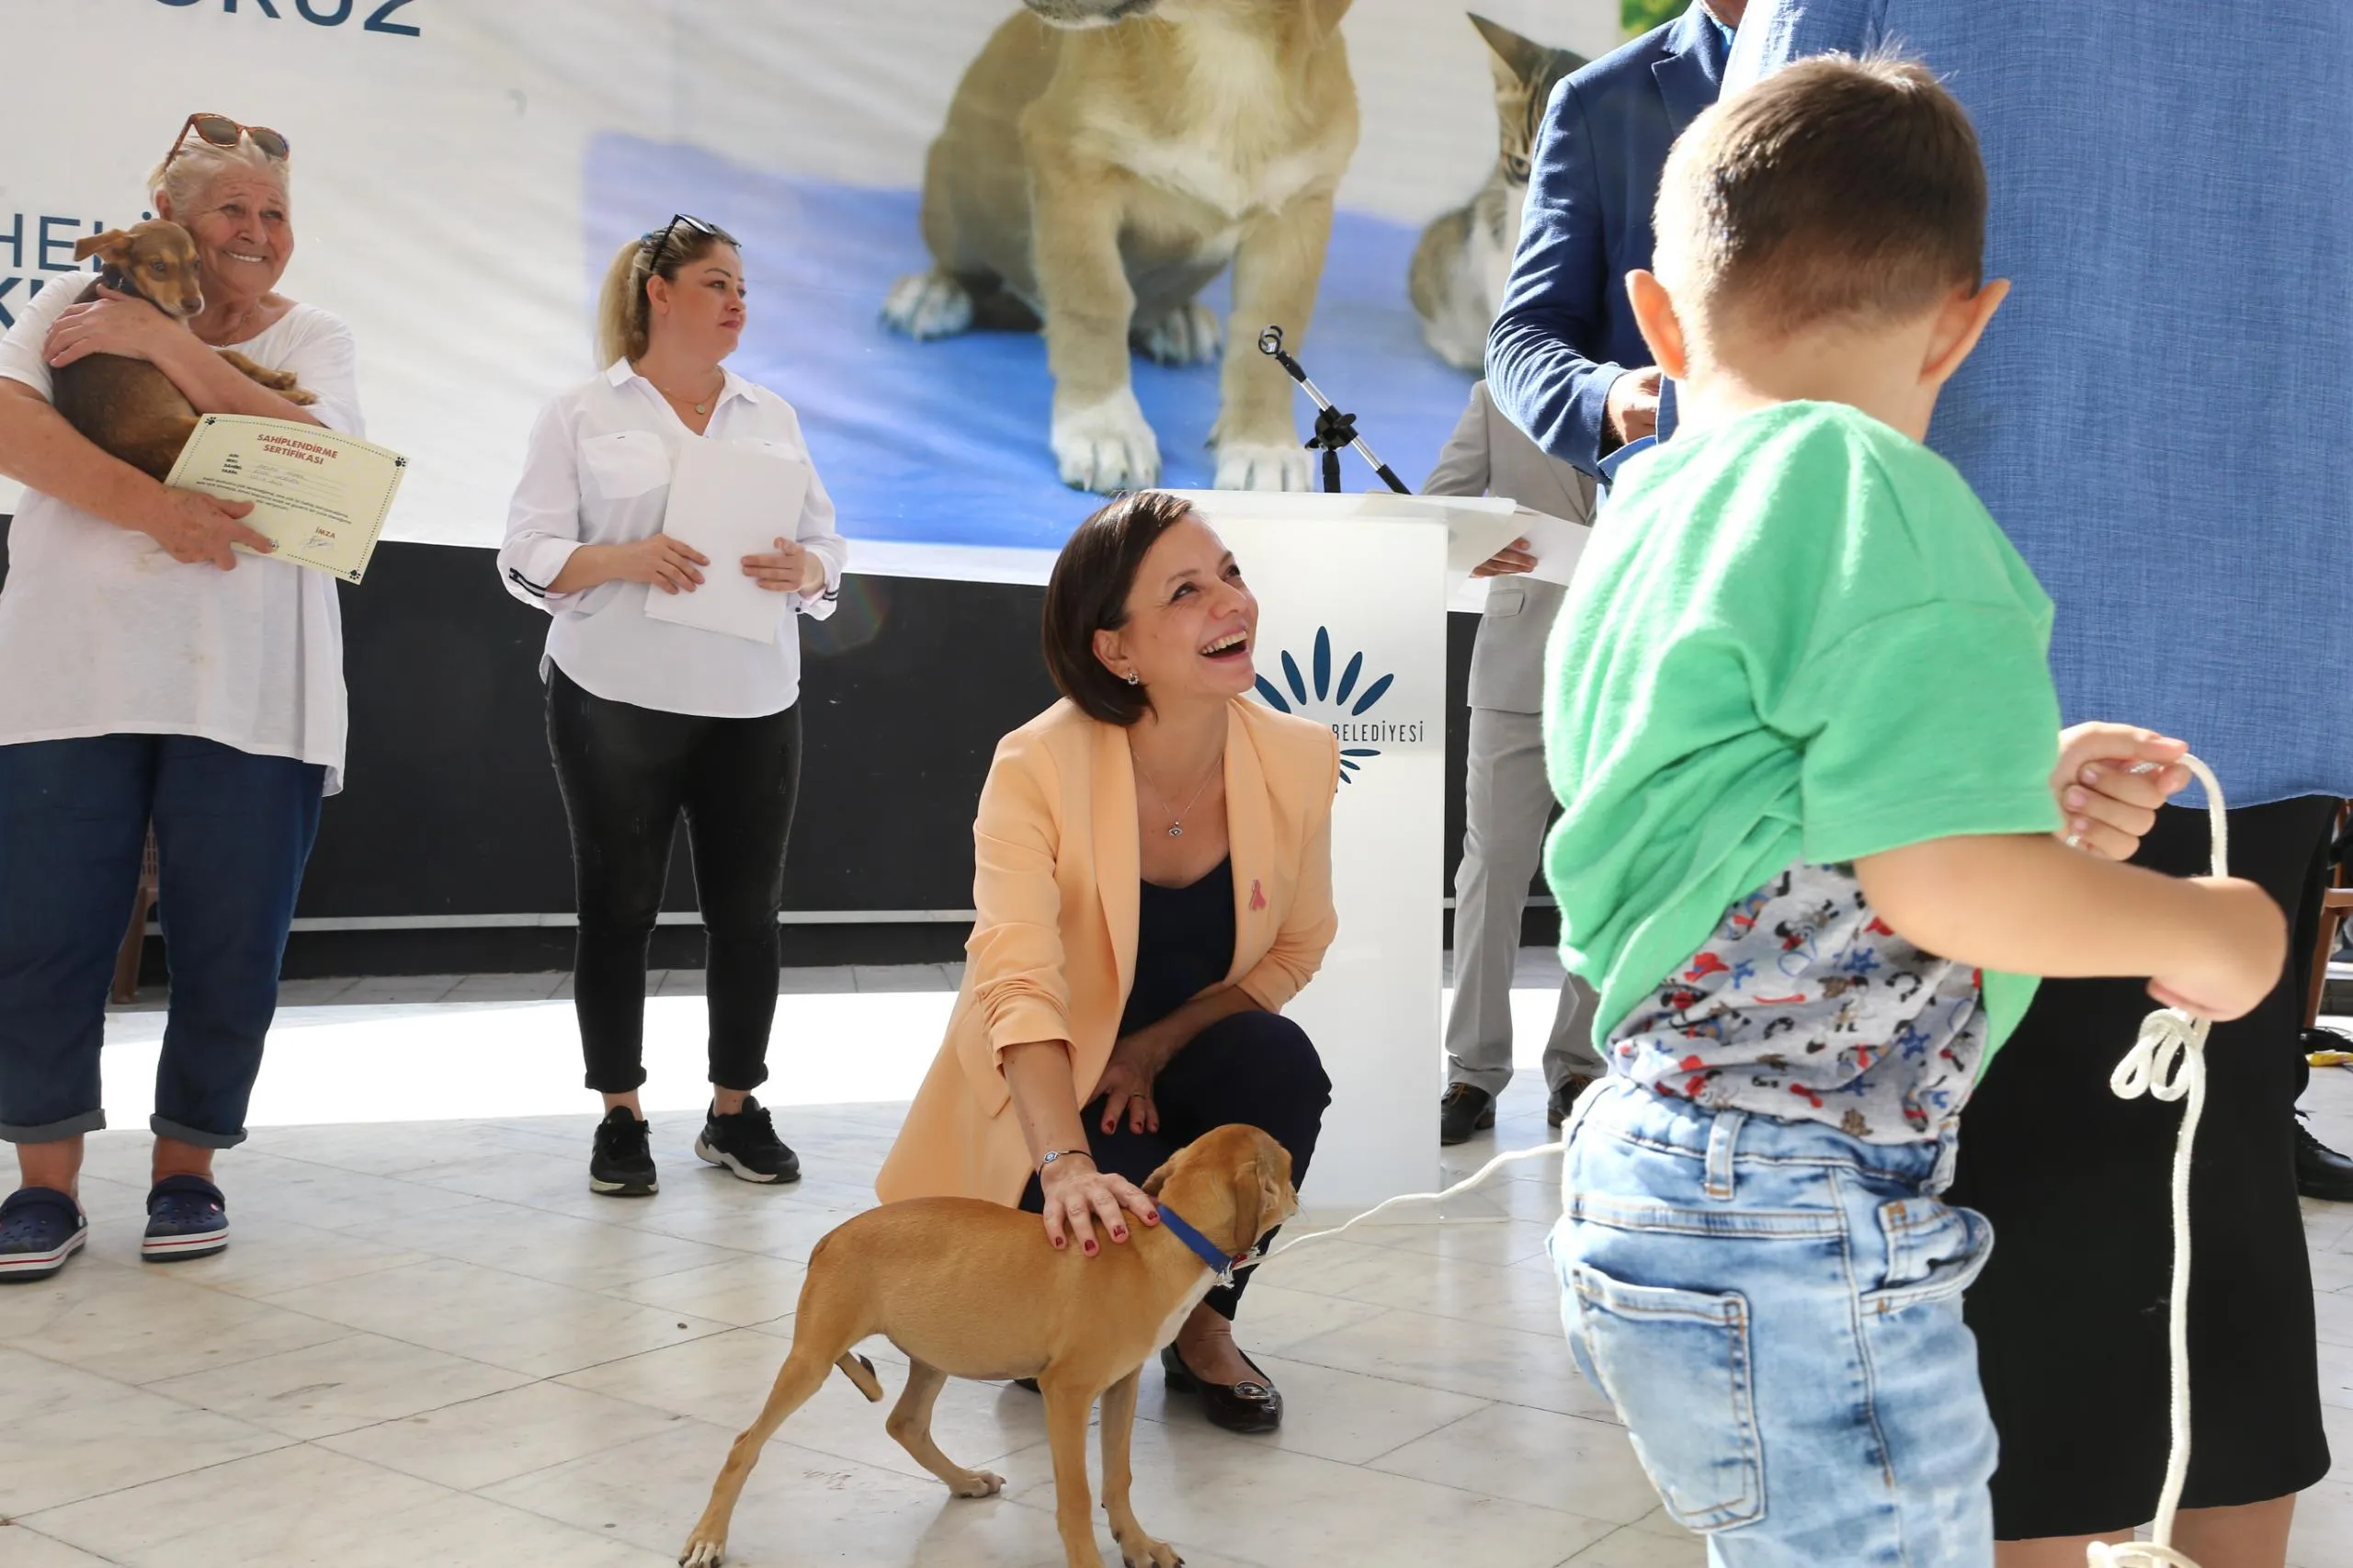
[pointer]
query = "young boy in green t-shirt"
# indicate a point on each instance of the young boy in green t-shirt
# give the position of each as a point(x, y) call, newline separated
point(1800, 718)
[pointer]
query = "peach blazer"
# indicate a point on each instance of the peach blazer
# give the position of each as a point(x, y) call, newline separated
point(1053, 951)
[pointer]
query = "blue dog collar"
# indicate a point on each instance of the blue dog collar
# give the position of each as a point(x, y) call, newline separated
point(1222, 1263)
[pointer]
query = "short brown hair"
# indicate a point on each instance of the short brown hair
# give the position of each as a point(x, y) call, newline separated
point(1835, 188)
point(1088, 593)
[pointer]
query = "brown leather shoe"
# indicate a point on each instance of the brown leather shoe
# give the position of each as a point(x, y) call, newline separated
point(1256, 1406)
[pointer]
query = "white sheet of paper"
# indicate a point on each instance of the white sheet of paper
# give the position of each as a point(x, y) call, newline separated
point(1556, 542)
point(1476, 527)
point(730, 500)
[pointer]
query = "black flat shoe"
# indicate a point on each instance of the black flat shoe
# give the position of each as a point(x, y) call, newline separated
point(1238, 1408)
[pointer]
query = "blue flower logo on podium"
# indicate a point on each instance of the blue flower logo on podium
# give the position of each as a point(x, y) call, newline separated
point(1342, 706)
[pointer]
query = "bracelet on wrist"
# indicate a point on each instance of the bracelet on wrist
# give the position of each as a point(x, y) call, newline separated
point(1053, 1154)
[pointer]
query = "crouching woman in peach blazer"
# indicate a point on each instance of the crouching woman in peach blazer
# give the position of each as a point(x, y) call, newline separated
point(1154, 882)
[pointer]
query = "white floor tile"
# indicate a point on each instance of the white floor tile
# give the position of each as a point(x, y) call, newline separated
point(67, 1434)
point(135, 1323)
point(1572, 1463)
point(273, 1506)
point(339, 1386)
point(483, 1315)
point(501, 1436)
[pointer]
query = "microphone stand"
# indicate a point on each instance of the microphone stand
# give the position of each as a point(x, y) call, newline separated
point(1333, 430)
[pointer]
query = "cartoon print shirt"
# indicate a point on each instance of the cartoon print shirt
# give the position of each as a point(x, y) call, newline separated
point(1796, 639)
point(1805, 1005)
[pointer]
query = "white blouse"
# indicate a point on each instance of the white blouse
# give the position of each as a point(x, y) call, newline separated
point(102, 632)
point(599, 472)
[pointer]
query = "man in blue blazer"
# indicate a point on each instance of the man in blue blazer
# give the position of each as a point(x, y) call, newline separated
point(1565, 362)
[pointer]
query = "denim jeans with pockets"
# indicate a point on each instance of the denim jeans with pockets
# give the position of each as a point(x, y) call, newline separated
point(1774, 1308)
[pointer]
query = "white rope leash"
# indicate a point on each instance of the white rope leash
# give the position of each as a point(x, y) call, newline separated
point(2168, 1062)
point(1466, 1184)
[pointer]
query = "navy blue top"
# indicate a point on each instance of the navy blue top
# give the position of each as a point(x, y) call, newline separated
point(2158, 415)
point(1184, 944)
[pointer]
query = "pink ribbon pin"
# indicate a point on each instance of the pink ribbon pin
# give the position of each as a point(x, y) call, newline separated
point(1258, 894)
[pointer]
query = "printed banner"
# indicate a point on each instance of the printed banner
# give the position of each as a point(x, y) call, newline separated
point(462, 172)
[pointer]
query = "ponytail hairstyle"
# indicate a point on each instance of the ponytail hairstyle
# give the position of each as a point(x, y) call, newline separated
point(623, 310)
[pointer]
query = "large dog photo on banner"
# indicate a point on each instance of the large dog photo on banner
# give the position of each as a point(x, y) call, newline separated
point(1103, 161)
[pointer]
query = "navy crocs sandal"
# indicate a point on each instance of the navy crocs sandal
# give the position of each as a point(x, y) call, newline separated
point(39, 1229)
point(185, 1218)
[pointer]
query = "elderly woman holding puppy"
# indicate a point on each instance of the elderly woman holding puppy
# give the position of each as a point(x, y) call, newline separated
point(152, 675)
point(1154, 882)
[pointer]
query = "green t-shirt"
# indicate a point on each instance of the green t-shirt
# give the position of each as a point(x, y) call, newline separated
point(1796, 637)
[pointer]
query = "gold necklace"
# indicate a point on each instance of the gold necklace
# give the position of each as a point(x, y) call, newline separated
point(703, 405)
point(1176, 819)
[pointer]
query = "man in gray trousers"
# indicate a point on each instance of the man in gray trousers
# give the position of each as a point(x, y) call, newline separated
point(1506, 800)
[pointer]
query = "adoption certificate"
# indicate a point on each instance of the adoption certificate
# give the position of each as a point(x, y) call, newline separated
point(730, 499)
point(320, 496)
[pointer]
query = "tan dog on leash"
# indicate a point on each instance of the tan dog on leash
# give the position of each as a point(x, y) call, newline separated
point(1102, 161)
point(968, 1288)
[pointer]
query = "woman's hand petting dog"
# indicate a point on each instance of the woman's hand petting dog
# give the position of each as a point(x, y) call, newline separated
point(118, 324)
point(2110, 780)
point(1077, 1195)
point(195, 529)
point(661, 562)
point(792, 570)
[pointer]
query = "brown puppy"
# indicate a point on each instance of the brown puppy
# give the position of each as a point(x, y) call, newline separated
point(126, 407)
point(968, 1288)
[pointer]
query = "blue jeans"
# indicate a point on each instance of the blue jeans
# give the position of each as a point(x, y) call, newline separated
point(232, 832)
point(1775, 1310)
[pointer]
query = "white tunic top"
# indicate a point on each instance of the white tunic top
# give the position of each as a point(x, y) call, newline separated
point(102, 632)
point(599, 472)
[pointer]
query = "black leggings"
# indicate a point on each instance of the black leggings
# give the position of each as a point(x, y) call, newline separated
point(626, 774)
point(1255, 1068)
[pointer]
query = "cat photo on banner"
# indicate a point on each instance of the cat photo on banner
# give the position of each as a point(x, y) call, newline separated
point(1464, 257)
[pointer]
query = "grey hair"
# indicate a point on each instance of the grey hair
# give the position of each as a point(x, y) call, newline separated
point(184, 178)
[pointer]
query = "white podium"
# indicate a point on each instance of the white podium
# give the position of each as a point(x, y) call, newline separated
point(1352, 600)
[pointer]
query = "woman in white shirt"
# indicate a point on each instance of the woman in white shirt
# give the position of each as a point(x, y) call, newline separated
point(148, 673)
point(649, 718)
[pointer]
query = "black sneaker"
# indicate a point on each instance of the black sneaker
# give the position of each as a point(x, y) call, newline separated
point(1464, 1110)
point(623, 1164)
point(746, 1144)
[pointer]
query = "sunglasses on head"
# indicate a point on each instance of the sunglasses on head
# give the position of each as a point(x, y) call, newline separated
point(659, 239)
point(223, 132)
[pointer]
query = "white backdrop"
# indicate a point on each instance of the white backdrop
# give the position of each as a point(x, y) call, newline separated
point(448, 183)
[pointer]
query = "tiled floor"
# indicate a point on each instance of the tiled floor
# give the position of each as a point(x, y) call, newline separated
point(431, 1344)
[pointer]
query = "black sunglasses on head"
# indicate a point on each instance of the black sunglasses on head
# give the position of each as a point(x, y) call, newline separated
point(660, 239)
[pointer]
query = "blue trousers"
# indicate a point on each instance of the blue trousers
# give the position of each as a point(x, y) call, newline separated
point(233, 833)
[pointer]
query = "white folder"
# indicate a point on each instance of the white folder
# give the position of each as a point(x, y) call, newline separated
point(730, 500)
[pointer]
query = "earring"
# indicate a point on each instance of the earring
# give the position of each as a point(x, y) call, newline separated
point(1135, 679)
